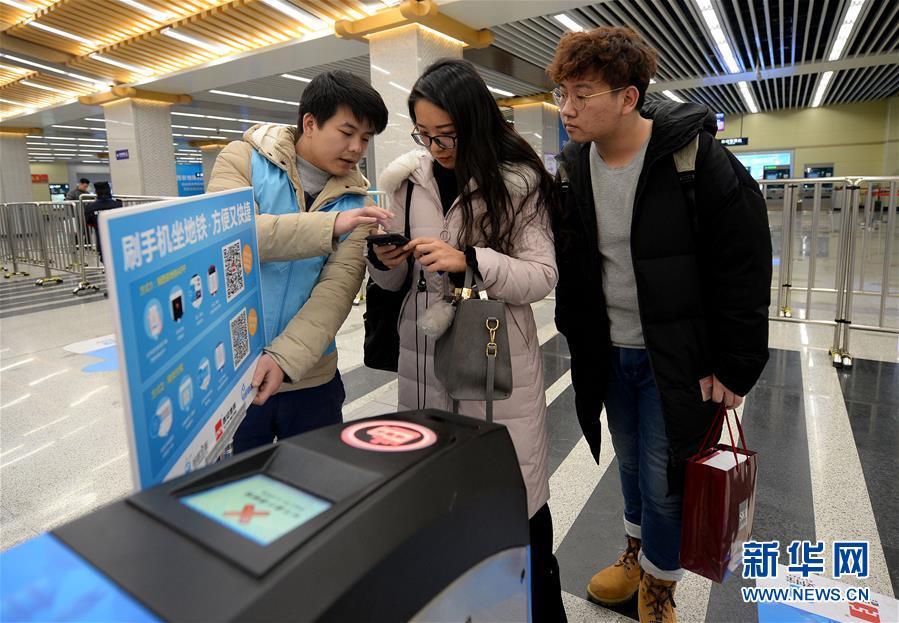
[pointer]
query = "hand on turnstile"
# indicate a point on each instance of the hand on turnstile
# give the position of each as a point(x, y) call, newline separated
point(267, 378)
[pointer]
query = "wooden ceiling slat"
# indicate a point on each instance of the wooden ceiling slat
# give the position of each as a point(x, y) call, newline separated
point(251, 28)
point(263, 23)
point(237, 28)
point(40, 37)
point(175, 52)
point(217, 32)
point(293, 31)
point(230, 27)
point(133, 56)
point(325, 9)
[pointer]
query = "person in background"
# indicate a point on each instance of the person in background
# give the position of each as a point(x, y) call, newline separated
point(80, 189)
point(310, 198)
point(104, 201)
point(479, 199)
point(663, 290)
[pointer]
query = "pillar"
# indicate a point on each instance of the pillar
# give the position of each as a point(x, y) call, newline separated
point(15, 174)
point(538, 124)
point(141, 155)
point(398, 57)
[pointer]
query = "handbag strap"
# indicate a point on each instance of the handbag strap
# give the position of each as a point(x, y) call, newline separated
point(491, 373)
point(410, 262)
point(490, 350)
point(408, 229)
point(473, 281)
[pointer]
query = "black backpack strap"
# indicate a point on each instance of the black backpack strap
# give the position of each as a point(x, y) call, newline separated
point(685, 163)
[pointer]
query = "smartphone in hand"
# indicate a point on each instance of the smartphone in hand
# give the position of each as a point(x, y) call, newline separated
point(387, 238)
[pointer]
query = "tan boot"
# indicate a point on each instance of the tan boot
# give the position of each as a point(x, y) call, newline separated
point(617, 583)
point(656, 601)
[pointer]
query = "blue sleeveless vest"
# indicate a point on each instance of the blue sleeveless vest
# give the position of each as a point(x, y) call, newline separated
point(286, 286)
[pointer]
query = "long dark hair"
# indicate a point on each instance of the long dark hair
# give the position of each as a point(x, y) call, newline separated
point(486, 145)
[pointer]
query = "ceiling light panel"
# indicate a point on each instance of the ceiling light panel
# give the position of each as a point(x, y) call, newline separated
point(847, 26)
point(64, 33)
point(94, 82)
point(746, 94)
point(568, 22)
point(710, 17)
point(159, 16)
point(292, 11)
point(22, 6)
point(117, 63)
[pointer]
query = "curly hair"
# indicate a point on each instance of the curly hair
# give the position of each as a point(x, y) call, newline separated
point(614, 54)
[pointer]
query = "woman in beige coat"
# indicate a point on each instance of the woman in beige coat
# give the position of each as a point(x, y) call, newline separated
point(480, 198)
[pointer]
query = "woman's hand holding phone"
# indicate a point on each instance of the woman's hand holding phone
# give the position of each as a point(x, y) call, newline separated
point(391, 255)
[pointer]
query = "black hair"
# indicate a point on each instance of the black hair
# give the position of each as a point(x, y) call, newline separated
point(332, 89)
point(102, 190)
point(485, 147)
point(84, 180)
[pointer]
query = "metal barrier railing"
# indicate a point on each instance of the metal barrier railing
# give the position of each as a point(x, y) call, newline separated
point(841, 208)
point(53, 236)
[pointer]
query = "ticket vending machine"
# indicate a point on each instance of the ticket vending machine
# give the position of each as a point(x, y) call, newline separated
point(414, 516)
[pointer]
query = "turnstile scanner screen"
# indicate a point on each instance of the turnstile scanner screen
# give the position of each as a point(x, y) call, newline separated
point(237, 504)
point(414, 516)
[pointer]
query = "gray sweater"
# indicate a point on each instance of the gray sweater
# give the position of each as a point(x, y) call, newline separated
point(613, 196)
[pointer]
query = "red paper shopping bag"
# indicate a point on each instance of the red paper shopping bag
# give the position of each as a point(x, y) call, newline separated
point(719, 504)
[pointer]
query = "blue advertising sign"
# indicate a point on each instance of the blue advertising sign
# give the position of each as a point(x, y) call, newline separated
point(121, 154)
point(184, 283)
point(190, 179)
point(43, 580)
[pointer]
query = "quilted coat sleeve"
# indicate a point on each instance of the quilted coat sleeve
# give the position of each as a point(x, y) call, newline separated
point(393, 279)
point(734, 223)
point(303, 341)
point(281, 237)
point(529, 274)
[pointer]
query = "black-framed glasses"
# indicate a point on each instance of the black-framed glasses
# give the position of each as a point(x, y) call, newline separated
point(578, 101)
point(444, 141)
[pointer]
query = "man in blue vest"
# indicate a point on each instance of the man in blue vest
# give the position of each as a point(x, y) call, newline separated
point(310, 198)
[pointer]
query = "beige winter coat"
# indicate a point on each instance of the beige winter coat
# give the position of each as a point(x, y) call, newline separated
point(524, 277)
point(298, 349)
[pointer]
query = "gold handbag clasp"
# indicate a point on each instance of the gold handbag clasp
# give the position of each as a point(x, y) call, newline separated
point(492, 326)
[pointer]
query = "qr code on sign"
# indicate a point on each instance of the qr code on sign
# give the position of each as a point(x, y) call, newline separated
point(240, 338)
point(233, 270)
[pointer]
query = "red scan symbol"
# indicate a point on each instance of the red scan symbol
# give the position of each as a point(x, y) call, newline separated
point(864, 612)
point(388, 436)
point(393, 435)
point(246, 514)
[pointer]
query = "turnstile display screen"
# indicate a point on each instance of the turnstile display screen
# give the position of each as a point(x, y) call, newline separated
point(259, 508)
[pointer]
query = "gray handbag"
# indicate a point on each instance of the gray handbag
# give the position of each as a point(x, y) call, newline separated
point(472, 359)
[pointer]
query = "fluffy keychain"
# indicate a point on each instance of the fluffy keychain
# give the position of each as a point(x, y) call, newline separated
point(437, 319)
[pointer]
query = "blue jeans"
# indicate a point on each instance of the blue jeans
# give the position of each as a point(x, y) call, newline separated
point(634, 413)
point(291, 413)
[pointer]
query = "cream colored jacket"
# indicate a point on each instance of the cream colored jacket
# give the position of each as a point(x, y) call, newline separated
point(525, 276)
point(298, 349)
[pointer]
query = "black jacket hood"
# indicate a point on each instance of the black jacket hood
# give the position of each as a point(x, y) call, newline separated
point(673, 126)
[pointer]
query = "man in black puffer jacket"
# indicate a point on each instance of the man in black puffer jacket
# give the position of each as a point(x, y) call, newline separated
point(664, 260)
